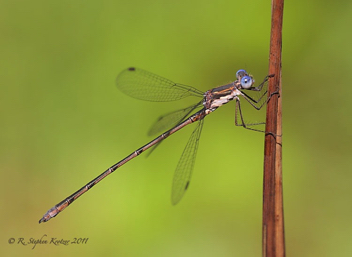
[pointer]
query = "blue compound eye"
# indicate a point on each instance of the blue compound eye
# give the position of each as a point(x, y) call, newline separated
point(240, 74)
point(246, 82)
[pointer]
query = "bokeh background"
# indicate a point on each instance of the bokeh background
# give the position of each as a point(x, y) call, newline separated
point(63, 122)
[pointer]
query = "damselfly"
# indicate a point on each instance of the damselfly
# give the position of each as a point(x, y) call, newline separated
point(147, 86)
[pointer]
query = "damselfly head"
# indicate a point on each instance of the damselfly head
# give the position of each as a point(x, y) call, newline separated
point(247, 81)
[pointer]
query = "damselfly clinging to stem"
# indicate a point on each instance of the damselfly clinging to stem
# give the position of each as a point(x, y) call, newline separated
point(147, 86)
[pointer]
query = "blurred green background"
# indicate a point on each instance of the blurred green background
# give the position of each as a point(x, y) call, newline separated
point(63, 122)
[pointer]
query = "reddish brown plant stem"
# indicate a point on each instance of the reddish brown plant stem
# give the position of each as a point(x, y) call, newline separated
point(273, 218)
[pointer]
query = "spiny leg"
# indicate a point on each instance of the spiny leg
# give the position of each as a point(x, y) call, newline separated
point(257, 102)
point(240, 121)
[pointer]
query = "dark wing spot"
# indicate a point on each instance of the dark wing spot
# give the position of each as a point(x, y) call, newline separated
point(187, 185)
point(132, 69)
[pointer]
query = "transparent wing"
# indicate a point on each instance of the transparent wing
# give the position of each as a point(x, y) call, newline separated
point(147, 86)
point(171, 119)
point(185, 165)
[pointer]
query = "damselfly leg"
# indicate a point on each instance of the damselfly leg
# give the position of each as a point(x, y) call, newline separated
point(257, 102)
